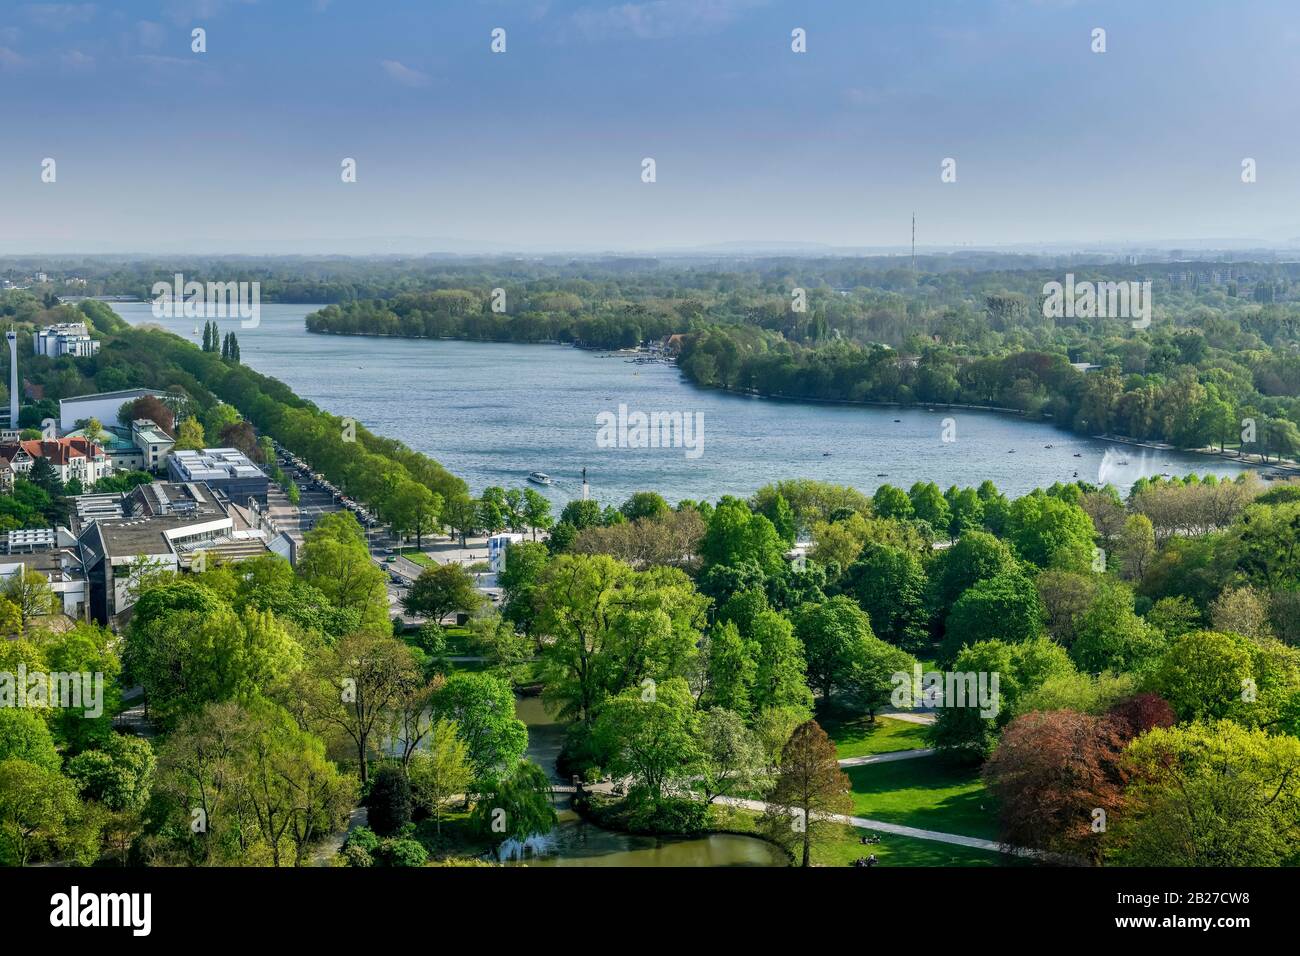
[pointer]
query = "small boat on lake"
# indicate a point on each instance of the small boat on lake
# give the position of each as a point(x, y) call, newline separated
point(541, 478)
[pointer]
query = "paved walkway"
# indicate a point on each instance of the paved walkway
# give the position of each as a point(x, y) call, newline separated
point(909, 716)
point(897, 829)
point(323, 853)
point(886, 758)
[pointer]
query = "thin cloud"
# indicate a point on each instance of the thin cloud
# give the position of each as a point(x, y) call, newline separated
point(11, 59)
point(59, 16)
point(403, 74)
point(659, 19)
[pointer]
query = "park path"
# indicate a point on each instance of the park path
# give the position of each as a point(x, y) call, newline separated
point(886, 758)
point(908, 716)
point(898, 829)
point(324, 853)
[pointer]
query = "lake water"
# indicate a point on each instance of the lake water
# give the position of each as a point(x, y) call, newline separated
point(493, 412)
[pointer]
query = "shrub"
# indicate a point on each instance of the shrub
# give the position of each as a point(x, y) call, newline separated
point(390, 800)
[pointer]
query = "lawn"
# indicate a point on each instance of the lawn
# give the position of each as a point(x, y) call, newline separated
point(419, 557)
point(891, 850)
point(927, 792)
point(859, 737)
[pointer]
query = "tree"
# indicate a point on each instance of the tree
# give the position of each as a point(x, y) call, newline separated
point(39, 812)
point(1050, 774)
point(1211, 794)
point(188, 649)
point(460, 514)
point(515, 806)
point(1243, 610)
point(151, 408)
point(929, 504)
point(650, 734)
point(1005, 607)
point(440, 590)
point(809, 787)
point(119, 776)
point(413, 509)
point(335, 559)
point(441, 770)
point(525, 562)
point(729, 669)
point(780, 667)
point(1137, 546)
point(736, 534)
point(537, 511)
point(890, 585)
point(845, 656)
point(1141, 712)
point(732, 755)
point(1050, 532)
point(30, 591)
point(644, 504)
point(1110, 636)
point(1206, 675)
point(972, 731)
point(25, 736)
point(610, 628)
point(191, 437)
point(975, 557)
point(483, 708)
point(390, 800)
point(352, 685)
point(891, 502)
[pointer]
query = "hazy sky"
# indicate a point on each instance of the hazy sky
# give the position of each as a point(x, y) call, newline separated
point(158, 147)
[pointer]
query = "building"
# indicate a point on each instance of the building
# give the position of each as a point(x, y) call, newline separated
point(152, 442)
point(164, 526)
point(61, 567)
point(66, 338)
point(72, 458)
point(498, 545)
point(123, 455)
point(226, 470)
point(103, 406)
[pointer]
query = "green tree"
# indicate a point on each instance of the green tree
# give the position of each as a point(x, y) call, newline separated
point(441, 770)
point(483, 708)
point(810, 787)
point(1003, 607)
point(516, 805)
point(1210, 794)
point(441, 589)
point(651, 734)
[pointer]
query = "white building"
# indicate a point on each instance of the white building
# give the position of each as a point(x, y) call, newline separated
point(498, 545)
point(67, 338)
point(71, 458)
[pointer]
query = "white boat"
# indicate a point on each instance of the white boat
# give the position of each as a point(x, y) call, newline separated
point(541, 478)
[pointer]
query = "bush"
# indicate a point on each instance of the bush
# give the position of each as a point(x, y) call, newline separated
point(390, 800)
point(356, 856)
point(404, 852)
point(363, 838)
point(678, 815)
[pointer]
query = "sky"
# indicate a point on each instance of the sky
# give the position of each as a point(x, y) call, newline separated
point(541, 147)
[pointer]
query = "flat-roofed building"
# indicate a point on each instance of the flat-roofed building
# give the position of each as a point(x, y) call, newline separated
point(227, 470)
point(167, 526)
point(66, 338)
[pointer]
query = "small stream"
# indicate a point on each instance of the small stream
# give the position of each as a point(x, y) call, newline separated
point(575, 842)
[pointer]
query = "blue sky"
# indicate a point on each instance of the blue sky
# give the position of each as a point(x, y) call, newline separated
point(160, 148)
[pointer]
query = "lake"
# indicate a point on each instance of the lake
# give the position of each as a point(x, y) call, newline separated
point(494, 412)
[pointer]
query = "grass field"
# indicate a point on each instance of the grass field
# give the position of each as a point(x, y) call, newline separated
point(928, 792)
point(890, 851)
point(859, 737)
